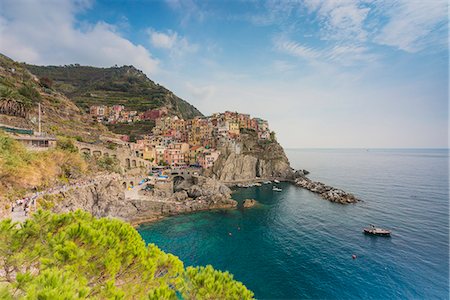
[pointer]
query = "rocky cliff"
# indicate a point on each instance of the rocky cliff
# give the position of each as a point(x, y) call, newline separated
point(106, 198)
point(251, 159)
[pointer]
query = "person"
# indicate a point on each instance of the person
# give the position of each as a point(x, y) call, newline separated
point(12, 207)
point(27, 209)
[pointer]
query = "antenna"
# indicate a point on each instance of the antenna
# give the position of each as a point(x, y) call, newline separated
point(39, 105)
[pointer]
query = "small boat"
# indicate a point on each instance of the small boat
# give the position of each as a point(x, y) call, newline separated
point(257, 184)
point(276, 181)
point(377, 231)
point(267, 182)
point(276, 189)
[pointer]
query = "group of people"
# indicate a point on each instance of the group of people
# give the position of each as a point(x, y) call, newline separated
point(25, 202)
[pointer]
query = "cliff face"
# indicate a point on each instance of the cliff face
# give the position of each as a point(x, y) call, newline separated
point(103, 199)
point(250, 159)
point(107, 198)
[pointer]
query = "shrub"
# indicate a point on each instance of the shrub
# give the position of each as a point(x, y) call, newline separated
point(21, 169)
point(30, 93)
point(46, 82)
point(76, 256)
point(67, 144)
point(108, 163)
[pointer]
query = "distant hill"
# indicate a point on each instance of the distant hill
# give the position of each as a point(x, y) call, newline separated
point(126, 85)
point(20, 93)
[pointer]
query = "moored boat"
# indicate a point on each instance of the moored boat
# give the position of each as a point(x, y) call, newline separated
point(276, 189)
point(276, 181)
point(372, 230)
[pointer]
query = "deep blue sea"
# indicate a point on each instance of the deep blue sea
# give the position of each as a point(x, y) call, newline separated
point(296, 245)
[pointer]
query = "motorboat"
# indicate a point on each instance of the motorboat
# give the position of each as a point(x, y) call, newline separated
point(276, 181)
point(372, 230)
point(276, 189)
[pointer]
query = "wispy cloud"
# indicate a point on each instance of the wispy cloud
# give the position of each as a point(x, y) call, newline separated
point(290, 47)
point(341, 54)
point(412, 24)
point(341, 19)
point(189, 10)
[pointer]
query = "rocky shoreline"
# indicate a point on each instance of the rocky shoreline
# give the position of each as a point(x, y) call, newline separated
point(107, 198)
point(325, 191)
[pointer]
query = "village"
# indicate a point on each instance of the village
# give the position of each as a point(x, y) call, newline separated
point(175, 142)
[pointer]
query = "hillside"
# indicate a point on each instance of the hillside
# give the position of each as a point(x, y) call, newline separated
point(126, 85)
point(20, 93)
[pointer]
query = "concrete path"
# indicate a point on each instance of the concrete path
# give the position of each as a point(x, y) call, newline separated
point(18, 215)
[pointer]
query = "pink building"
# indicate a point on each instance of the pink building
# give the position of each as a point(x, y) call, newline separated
point(175, 153)
point(208, 157)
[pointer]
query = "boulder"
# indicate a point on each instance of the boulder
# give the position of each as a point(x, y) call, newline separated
point(249, 203)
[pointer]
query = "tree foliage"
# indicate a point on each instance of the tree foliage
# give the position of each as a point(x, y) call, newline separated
point(76, 256)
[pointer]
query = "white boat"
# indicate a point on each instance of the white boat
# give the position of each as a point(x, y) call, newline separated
point(267, 182)
point(276, 189)
point(257, 184)
point(376, 231)
point(276, 181)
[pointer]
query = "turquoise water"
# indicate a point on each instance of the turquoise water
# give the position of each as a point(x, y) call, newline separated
point(297, 245)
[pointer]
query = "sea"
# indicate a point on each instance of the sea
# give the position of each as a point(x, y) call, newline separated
point(296, 245)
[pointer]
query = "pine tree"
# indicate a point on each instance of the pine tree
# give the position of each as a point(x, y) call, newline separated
point(77, 256)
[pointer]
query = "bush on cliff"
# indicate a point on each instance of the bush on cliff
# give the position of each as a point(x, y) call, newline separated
point(21, 169)
point(76, 256)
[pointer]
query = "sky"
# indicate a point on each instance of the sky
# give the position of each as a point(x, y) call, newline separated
point(332, 73)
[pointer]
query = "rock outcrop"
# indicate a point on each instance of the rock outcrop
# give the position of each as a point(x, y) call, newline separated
point(327, 192)
point(107, 199)
point(249, 203)
point(250, 159)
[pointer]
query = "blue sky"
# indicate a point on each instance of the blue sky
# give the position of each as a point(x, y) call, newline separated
point(347, 73)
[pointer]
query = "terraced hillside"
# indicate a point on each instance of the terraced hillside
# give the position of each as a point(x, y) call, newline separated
point(125, 85)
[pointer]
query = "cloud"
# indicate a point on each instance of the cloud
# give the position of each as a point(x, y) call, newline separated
point(171, 41)
point(47, 32)
point(413, 25)
point(341, 19)
point(296, 49)
point(163, 40)
point(188, 10)
point(341, 54)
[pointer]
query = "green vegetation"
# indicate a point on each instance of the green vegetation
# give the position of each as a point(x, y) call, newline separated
point(132, 129)
point(20, 92)
point(126, 85)
point(21, 169)
point(108, 163)
point(76, 256)
point(17, 96)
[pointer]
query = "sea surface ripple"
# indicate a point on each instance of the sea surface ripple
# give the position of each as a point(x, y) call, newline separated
point(295, 245)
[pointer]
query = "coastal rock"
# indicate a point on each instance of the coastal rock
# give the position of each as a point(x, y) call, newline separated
point(103, 199)
point(300, 173)
point(180, 196)
point(106, 198)
point(249, 203)
point(327, 192)
point(204, 186)
point(250, 159)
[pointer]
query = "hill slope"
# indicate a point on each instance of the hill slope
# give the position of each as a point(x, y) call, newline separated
point(20, 93)
point(124, 85)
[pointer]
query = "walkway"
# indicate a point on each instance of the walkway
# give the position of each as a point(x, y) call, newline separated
point(18, 215)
